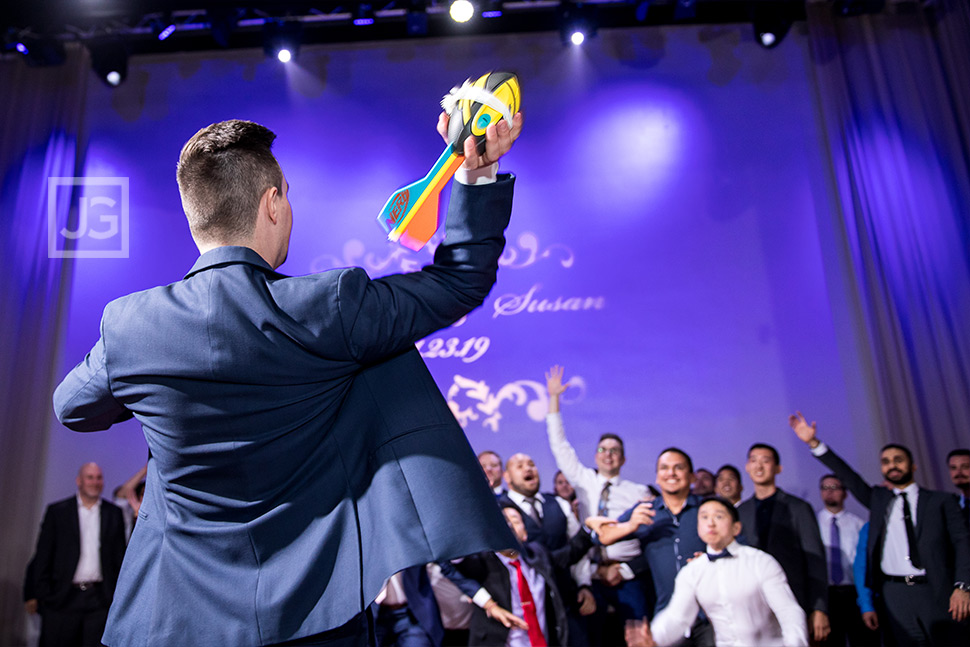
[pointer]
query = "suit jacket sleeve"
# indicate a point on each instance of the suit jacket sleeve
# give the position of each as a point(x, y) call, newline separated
point(577, 547)
point(83, 401)
point(387, 315)
point(814, 550)
point(959, 539)
point(463, 580)
point(849, 477)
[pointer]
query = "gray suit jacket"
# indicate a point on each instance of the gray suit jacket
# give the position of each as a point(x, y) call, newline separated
point(300, 451)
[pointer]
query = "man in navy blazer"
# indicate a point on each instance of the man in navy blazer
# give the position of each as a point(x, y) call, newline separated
point(300, 451)
point(918, 556)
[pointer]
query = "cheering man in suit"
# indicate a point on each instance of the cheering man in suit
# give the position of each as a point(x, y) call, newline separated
point(75, 569)
point(785, 527)
point(301, 454)
point(918, 552)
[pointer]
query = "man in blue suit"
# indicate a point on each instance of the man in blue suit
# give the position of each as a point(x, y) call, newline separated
point(300, 451)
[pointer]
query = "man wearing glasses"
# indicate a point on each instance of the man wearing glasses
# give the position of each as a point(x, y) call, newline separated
point(840, 535)
point(601, 492)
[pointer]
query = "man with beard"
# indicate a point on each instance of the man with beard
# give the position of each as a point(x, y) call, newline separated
point(549, 520)
point(958, 462)
point(918, 549)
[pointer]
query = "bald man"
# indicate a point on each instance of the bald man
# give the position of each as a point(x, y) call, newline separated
point(72, 577)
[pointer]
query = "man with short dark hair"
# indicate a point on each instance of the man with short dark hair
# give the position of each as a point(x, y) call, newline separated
point(785, 527)
point(296, 437)
point(667, 530)
point(727, 484)
point(741, 589)
point(918, 551)
point(958, 463)
point(840, 535)
point(73, 573)
point(703, 482)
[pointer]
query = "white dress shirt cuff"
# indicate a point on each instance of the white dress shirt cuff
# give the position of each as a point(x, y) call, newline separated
point(820, 449)
point(484, 175)
point(626, 571)
point(481, 598)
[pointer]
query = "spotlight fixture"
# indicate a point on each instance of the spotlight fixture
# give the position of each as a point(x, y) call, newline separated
point(461, 10)
point(109, 59)
point(577, 24)
point(492, 9)
point(41, 52)
point(364, 15)
point(162, 26)
point(769, 31)
point(281, 39)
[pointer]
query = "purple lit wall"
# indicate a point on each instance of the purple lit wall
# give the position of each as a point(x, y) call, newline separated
point(663, 246)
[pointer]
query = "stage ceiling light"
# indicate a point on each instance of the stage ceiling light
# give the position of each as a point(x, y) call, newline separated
point(577, 24)
point(770, 31)
point(461, 10)
point(41, 52)
point(282, 39)
point(109, 59)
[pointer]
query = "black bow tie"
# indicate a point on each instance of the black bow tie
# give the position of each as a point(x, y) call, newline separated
point(716, 556)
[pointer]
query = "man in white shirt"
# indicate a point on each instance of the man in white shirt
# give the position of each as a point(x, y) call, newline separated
point(601, 492)
point(75, 568)
point(742, 590)
point(840, 535)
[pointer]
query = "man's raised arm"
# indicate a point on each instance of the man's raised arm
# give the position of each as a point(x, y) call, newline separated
point(807, 434)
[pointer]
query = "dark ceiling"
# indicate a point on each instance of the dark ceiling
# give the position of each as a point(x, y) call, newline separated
point(201, 25)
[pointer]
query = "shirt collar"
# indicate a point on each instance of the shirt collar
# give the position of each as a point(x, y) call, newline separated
point(734, 548)
point(80, 503)
point(231, 255)
point(602, 480)
point(519, 499)
point(911, 490)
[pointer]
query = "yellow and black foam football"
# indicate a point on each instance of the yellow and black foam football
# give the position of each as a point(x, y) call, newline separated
point(472, 114)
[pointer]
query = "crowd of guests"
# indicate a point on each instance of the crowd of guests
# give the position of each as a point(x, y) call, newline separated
point(603, 560)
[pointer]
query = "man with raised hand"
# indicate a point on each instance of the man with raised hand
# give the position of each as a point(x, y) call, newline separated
point(918, 551)
point(601, 492)
point(301, 453)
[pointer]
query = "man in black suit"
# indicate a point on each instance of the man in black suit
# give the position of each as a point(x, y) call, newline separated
point(958, 462)
point(918, 549)
point(73, 573)
point(785, 527)
point(488, 579)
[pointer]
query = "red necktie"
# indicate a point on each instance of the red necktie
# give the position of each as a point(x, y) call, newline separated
point(536, 639)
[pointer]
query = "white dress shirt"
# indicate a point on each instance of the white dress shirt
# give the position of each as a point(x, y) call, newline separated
point(537, 587)
point(746, 597)
point(455, 606)
point(895, 552)
point(589, 486)
point(89, 563)
point(849, 526)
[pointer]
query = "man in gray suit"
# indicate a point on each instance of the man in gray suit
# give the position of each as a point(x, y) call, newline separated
point(300, 451)
point(918, 550)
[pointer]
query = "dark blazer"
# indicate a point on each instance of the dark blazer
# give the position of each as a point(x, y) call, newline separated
point(553, 532)
point(941, 535)
point(422, 603)
point(796, 543)
point(301, 452)
point(51, 570)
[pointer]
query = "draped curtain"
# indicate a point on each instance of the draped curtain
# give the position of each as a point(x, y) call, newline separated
point(893, 95)
point(41, 120)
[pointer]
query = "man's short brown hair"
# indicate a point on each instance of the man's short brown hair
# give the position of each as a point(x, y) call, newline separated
point(222, 173)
